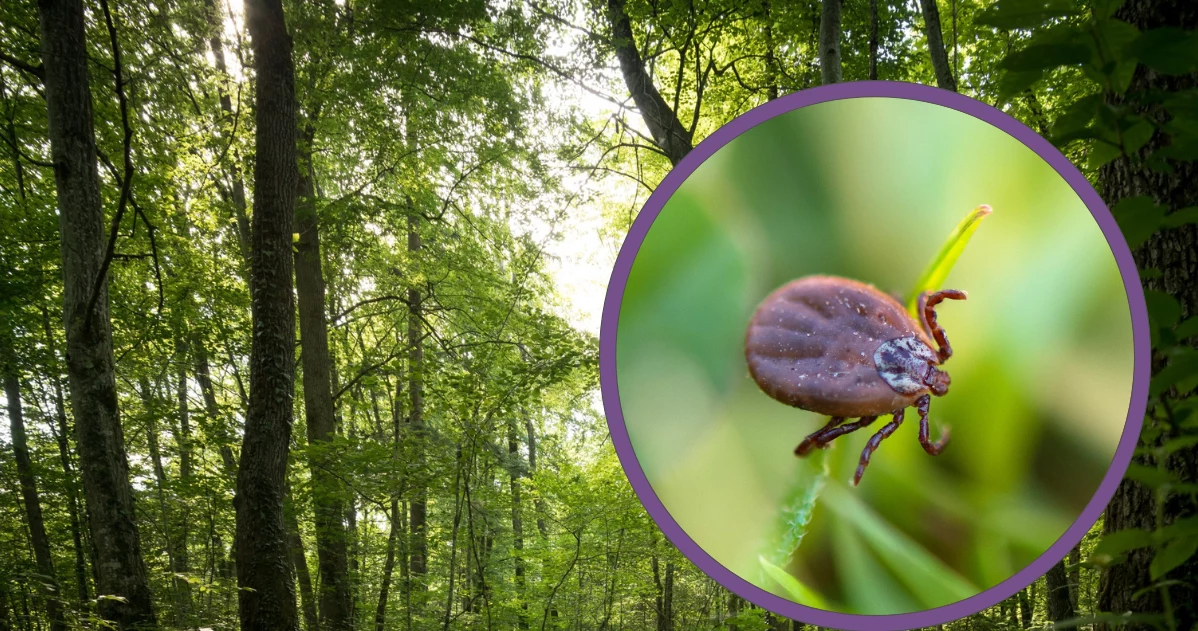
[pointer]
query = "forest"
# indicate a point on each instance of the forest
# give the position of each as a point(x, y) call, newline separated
point(299, 300)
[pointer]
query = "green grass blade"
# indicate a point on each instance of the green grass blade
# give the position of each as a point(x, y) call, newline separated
point(797, 508)
point(928, 578)
point(793, 587)
point(938, 270)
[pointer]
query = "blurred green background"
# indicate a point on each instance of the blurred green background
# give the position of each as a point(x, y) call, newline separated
point(869, 189)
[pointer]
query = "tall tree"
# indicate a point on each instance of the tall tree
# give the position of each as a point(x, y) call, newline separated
point(267, 595)
point(336, 598)
point(931, 28)
point(25, 477)
point(418, 549)
point(668, 132)
point(1174, 254)
point(830, 69)
point(1056, 582)
point(120, 570)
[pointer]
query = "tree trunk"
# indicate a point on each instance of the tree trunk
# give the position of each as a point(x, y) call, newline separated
point(771, 60)
point(33, 505)
point(1174, 253)
point(153, 411)
point(931, 29)
point(218, 431)
point(327, 495)
point(1059, 605)
point(299, 561)
point(64, 455)
point(1075, 575)
point(538, 503)
point(829, 42)
point(395, 527)
point(105, 469)
point(515, 472)
point(267, 595)
point(236, 191)
point(182, 434)
point(1025, 608)
point(873, 40)
point(419, 546)
point(668, 132)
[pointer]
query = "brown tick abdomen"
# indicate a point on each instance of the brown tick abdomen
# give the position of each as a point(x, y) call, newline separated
point(811, 345)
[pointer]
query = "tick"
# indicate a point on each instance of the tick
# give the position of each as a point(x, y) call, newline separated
point(842, 348)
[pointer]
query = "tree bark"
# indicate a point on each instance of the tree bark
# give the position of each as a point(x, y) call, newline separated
point(299, 561)
point(218, 431)
point(873, 40)
point(418, 559)
point(931, 29)
point(267, 596)
point(182, 434)
point(1025, 608)
point(51, 593)
point(515, 472)
point(328, 504)
point(64, 455)
point(771, 60)
point(1059, 605)
point(668, 132)
point(105, 469)
point(1174, 253)
point(829, 42)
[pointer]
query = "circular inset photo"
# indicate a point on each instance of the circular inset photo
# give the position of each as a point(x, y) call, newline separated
point(875, 356)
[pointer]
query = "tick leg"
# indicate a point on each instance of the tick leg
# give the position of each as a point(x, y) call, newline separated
point(833, 429)
point(873, 443)
point(925, 439)
point(927, 308)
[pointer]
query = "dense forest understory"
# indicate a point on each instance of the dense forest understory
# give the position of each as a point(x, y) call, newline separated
point(283, 328)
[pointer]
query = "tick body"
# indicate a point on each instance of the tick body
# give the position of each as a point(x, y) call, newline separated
point(842, 348)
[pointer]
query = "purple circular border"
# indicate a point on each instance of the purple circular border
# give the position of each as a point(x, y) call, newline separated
point(1140, 336)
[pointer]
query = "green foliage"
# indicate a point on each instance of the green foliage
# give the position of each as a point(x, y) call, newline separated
point(933, 277)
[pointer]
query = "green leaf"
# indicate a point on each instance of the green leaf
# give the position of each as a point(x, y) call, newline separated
point(1120, 542)
point(1102, 153)
point(933, 276)
point(1137, 135)
point(1176, 553)
point(1046, 56)
point(1163, 310)
point(1167, 50)
point(1025, 14)
point(925, 575)
point(797, 509)
point(1011, 83)
point(793, 587)
point(1184, 527)
point(1187, 329)
point(1149, 476)
point(1075, 118)
point(1180, 368)
point(1182, 217)
point(1138, 217)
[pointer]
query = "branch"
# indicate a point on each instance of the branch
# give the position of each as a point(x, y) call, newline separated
point(127, 177)
point(24, 156)
point(25, 66)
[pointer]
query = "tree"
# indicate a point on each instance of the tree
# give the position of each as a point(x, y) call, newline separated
point(829, 42)
point(267, 596)
point(671, 137)
point(120, 570)
point(945, 78)
point(33, 505)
